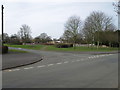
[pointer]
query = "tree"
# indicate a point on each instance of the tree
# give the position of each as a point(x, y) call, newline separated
point(14, 39)
point(72, 29)
point(97, 21)
point(42, 38)
point(117, 7)
point(6, 38)
point(25, 33)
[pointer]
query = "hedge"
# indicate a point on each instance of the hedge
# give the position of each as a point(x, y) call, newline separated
point(63, 45)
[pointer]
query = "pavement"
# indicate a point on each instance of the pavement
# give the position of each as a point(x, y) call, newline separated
point(16, 59)
point(65, 70)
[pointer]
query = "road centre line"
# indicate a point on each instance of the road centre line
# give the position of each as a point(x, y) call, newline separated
point(12, 70)
point(41, 66)
point(9, 70)
point(66, 62)
point(73, 61)
point(50, 64)
point(29, 68)
point(15, 69)
point(59, 63)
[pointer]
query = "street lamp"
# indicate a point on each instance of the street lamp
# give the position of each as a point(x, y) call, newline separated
point(2, 24)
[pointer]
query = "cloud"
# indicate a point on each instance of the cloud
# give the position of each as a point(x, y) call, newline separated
point(48, 17)
point(59, 1)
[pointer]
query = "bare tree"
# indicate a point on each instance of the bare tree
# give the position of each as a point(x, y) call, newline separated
point(117, 7)
point(25, 33)
point(72, 29)
point(42, 38)
point(96, 22)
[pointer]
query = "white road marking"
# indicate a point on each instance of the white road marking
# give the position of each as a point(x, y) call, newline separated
point(59, 63)
point(15, 69)
point(66, 62)
point(29, 68)
point(89, 57)
point(50, 64)
point(12, 70)
point(97, 56)
point(9, 70)
point(111, 54)
point(77, 60)
point(41, 66)
point(92, 57)
point(73, 61)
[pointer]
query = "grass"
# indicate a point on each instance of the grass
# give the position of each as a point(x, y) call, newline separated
point(83, 49)
point(20, 51)
point(53, 48)
point(34, 47)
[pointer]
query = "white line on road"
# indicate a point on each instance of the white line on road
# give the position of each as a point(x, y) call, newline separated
point(15, 69)
point(9, 70)
point(77, 60)
point(29, 68)
point(59, 63)
point(66, 62)
point(41, 66)
point(50, 64)
point(73, 61)
point(97, 56)
point(89, 57)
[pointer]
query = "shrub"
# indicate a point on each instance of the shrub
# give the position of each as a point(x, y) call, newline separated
point(63, 45)
point(4, 49)
point(47, 44)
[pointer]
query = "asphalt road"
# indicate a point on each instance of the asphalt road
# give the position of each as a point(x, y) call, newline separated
point(65, 70)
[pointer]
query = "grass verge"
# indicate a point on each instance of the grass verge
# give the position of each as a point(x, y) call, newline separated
point(20, 51)
point(83, 49)
point(34, 47)
point(53, 48)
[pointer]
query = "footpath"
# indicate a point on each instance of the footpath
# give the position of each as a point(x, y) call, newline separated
point(17, 59)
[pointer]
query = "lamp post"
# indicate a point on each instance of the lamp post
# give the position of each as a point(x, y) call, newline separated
point(2, 25)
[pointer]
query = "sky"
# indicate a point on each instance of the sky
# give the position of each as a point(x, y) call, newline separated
point(49, 16)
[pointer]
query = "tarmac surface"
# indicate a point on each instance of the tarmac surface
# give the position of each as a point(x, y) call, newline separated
point(16, 59)
point(65, 70)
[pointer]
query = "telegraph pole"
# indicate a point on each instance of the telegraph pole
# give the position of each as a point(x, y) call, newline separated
point(2, 25)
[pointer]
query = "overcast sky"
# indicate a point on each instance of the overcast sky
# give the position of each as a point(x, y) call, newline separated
point(49, 16)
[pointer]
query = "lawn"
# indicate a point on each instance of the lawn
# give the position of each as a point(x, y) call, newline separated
point(53, 48)
point(34, 47)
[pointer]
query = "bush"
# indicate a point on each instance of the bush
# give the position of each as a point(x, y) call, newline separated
point(47, 44)
point(4, 49)
point(62, 45)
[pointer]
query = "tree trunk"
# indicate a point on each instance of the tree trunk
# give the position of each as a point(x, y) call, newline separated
point(74, 46)
point(109, 44)
point(97, 44)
